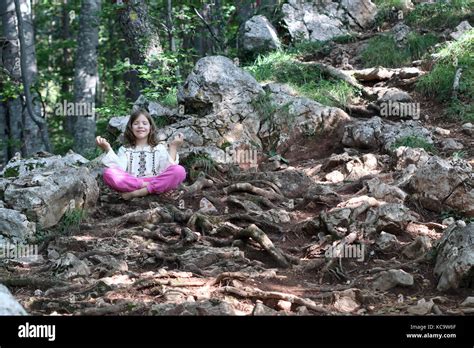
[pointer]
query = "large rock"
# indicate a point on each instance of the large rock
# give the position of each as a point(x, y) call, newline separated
point(442, 185)
point(17, 167)
point(392, 278)
point(298, 115)
point(44, 197)
point(259, 35)
point(375, 133)
point(154, 108)
point(455, 258)
point(15, 226)
point(216, 85)
point(8, 304)
point(366, 214)
point(325, 20)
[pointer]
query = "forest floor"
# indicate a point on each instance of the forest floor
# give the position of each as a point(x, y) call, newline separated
point(125, 267)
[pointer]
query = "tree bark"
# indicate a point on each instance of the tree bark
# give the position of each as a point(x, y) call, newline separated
point(86, 76)
point(142, 39)
point(27, 130)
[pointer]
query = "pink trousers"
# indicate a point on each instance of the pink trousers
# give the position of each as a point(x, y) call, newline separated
point(121, 181)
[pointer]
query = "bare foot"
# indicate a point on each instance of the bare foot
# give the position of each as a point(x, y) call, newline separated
point(134, 194)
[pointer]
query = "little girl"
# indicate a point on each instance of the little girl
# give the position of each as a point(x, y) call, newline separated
point(142, 166)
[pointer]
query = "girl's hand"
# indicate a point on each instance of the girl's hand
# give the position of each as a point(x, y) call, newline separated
point(178, 140)
point(103, 144)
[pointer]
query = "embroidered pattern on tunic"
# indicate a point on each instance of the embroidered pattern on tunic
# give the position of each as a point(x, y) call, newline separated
point(153, 164)
point(130, 162)
point(142, 164)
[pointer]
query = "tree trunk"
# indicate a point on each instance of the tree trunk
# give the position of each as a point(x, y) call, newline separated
point(142, 40)
point(86, 77)
point(3, 135)
point(26, 129)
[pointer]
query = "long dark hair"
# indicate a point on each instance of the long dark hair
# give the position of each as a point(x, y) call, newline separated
point(129, 138)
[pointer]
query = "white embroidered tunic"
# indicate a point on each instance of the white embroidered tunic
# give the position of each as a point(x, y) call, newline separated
point(146, 161)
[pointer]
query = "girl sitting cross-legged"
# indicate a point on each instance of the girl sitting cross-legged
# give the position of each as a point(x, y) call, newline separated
point(143, 166)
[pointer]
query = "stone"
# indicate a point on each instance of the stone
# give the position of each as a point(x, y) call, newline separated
point(15, 226)
point(386, 241)
point(422, 307)
point(8, 304)
point(462, 28)
point(442, 185)
point(216, 85)
point(468, 128)
point(441, 131)
point(259, 35)
point(400, 32)
point(297, 115)
point(419, 247)
point(334, 177)
point(451, 145)
point(448, 221)
point(392, 278)
point(16, 168)
point(468, 302)
point(284, 305)
point(409, 155)
point(44, 198)
point(321, 21)
point(70, 267)
point(454, 266)
point(375, 133)
point(260, 309)
point(347, 301)
point(383, 191)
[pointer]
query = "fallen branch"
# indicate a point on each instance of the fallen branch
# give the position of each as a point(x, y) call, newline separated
point(339, 74)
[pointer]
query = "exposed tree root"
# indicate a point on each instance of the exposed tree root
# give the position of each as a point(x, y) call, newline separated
point(261, 238)
point(274, 295)
point(246, 187)
point(38, 283)
point(198, 185)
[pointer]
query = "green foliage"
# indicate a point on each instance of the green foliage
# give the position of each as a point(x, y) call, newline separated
point(438, 83)
point(456, 215)
point(11, 172)
point(457, 155)
point(9, 89)
point(306, 79)
point(307, 48)
point(458, 110)
point(275, 117)
point(197, 163)
point(71, 221)
point(442, 14)
point(393, 56)
point(415, 142)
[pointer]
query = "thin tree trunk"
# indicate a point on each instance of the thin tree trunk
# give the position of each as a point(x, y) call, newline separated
point(35, 129)
point(86, 76)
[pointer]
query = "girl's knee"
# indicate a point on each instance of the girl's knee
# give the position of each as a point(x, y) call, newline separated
point(180, 172)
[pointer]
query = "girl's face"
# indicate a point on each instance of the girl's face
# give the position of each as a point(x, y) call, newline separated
point(141, 127)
